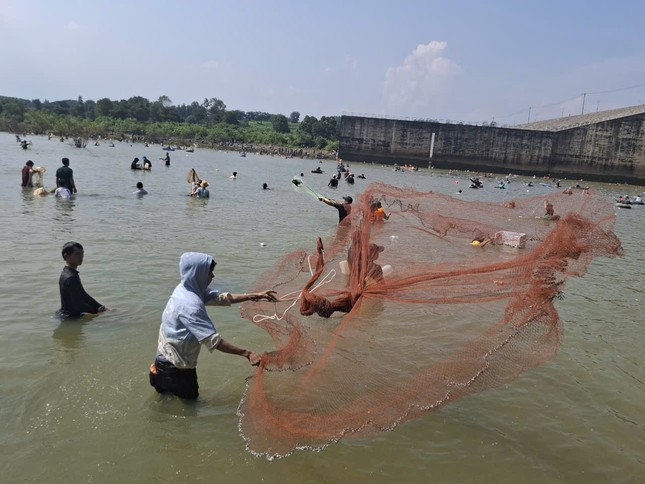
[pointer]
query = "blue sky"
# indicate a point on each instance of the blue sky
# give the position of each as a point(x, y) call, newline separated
point(468, 60)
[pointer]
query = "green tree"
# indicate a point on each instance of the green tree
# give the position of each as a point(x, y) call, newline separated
point(280, 123)
point(165, 101)
point(327, 127)
point(14, 110)
point(120, 109)
point(215, 109)
point(90, 109)
point(104, 107)
point(231, 117)
point(294, 117)
point(306, 127)
point(196, 113)
point(139, 108)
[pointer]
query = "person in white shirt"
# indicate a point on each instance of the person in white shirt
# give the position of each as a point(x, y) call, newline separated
point(62, 191)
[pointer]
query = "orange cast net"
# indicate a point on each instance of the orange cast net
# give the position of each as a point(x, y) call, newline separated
point(388, 320)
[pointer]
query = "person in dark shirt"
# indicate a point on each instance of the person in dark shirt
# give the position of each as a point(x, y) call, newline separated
point(27, 172)
point(66, 174)
point(344, 208)
point(333, 183)
point(74, 300)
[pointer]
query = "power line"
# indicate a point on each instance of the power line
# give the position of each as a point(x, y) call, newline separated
point(617, 90)
point(583, 95)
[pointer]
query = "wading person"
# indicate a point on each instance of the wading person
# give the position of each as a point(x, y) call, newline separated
point(27, 173)
point(74, 301)
point(344, 208)
point(66, 174)
point(186, 326)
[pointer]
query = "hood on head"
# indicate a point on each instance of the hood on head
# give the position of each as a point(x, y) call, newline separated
point(194, 268)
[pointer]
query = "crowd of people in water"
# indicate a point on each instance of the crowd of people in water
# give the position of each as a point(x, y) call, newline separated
point(186, 325)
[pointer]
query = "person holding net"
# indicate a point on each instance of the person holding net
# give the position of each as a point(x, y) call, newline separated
point(186, 326)
point(344, 207)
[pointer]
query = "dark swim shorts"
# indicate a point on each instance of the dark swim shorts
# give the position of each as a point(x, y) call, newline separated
point(165, 377)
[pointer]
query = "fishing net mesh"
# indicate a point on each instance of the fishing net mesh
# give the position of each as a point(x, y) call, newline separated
point(365, 349)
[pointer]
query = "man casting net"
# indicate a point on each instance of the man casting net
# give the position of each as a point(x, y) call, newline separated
point(467, 305)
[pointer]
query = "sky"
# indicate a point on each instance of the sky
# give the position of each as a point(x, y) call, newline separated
point(462, 61)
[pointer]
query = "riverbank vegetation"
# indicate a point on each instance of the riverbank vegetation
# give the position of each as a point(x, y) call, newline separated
point(208, 123)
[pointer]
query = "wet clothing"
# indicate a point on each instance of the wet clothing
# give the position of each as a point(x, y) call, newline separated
point(185, 327)
point(333, 183)
point(66, 175)
point(377, 215)
point(165, 377)
point(62, 192)
point(74, 301)
point(26, 176)
point(342, 212)
point(202, 192)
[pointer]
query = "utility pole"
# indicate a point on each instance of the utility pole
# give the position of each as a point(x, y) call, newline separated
point(584, 96)
point(529, 120)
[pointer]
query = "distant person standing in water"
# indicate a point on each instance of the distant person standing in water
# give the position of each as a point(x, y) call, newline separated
point(140, 190)
point(202, 191)
point(62, 191)
point(74, 300)
point(166, 159)
point(27, 173)
point(66, 174)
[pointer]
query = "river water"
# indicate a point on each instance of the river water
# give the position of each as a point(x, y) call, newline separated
point(75, 403)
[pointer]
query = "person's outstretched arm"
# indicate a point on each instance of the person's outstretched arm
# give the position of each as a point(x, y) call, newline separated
point(230, 348)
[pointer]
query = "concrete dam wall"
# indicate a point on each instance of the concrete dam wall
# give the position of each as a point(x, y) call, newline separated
point(601, 149)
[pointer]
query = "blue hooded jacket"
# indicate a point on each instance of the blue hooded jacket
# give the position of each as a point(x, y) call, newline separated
point(185, 322)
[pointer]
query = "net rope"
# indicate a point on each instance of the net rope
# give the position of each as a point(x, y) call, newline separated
point(359, 350)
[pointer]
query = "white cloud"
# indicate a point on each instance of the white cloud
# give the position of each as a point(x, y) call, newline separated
point(422, 82)
point(71, 25)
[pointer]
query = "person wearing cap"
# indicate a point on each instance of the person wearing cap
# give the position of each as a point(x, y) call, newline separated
point(344, 208)
point(27, 173)
point(186, 327)
point(202, 191)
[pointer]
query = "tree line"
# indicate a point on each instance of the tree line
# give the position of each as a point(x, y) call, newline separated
point(208, 122)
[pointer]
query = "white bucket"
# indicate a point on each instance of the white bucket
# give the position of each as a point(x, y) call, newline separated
point(344, 267)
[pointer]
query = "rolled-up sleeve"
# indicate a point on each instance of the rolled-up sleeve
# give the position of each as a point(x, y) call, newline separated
point(212, 341)
point(219, 299)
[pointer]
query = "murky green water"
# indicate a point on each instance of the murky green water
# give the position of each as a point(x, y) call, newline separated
point(75, 404)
